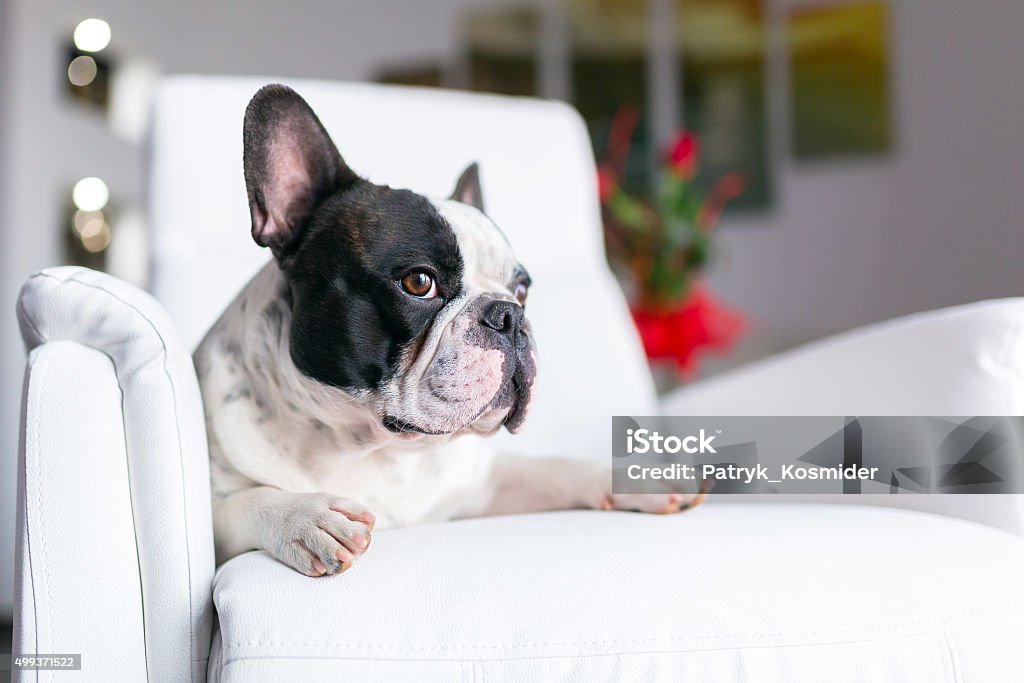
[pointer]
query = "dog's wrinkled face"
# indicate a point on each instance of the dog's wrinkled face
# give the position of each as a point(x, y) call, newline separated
point(410, 305)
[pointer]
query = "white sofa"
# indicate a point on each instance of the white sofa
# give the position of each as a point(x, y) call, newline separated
point(115, 554)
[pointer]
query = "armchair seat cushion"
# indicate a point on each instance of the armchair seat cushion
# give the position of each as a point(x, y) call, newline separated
point(730, 591)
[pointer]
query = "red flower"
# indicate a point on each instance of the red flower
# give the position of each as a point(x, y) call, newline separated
point(700, 321)
point(682, 156)
point(729, 186)
point(606, 182)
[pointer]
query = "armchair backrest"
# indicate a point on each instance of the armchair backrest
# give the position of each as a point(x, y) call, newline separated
point(539, 184)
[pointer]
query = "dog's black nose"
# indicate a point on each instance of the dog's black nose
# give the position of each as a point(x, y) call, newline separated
point(502, 316)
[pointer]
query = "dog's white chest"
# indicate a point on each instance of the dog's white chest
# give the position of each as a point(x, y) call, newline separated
point(410, 486)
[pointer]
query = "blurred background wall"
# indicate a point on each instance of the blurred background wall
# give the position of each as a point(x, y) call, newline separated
point(933, 219)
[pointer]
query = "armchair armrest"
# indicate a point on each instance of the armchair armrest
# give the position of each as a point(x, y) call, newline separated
point(965, 360)
point(115, 547)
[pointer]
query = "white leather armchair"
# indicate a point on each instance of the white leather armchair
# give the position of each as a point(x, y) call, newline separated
point(115, 556)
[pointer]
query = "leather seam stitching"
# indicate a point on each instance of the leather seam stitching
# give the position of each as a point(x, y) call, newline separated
point(697, 637)
point(954, 657)
point(43, 371)
point(587, 655)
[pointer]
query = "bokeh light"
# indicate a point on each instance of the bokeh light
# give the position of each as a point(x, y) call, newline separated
point(98, 241)
point(90, 194)
point(88, 223)
point(82, 71)
point(92, 35)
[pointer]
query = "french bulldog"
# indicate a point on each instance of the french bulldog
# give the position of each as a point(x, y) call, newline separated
point(351, 383)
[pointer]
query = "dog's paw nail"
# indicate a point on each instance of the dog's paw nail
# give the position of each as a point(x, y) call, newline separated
point(343, 555)
point(362, 541)
point(318, 567)
point(344, 566)
point(607, 503)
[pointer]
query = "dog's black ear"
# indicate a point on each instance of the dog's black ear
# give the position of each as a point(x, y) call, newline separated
point(467, 189)
point(290, 164)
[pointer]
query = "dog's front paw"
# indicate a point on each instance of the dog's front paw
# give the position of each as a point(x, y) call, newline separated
point(659, 503)
point(318, 533)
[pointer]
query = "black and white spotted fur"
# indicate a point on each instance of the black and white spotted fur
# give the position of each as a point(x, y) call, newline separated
point(335, 399)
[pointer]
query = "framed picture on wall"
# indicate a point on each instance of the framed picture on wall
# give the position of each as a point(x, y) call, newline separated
point(723, 91)
point(501, 46)
point(608, 44)
point(839, 74)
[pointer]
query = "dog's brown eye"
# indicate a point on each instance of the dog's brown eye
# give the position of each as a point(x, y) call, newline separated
point(419, 284)
point(520, 293)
